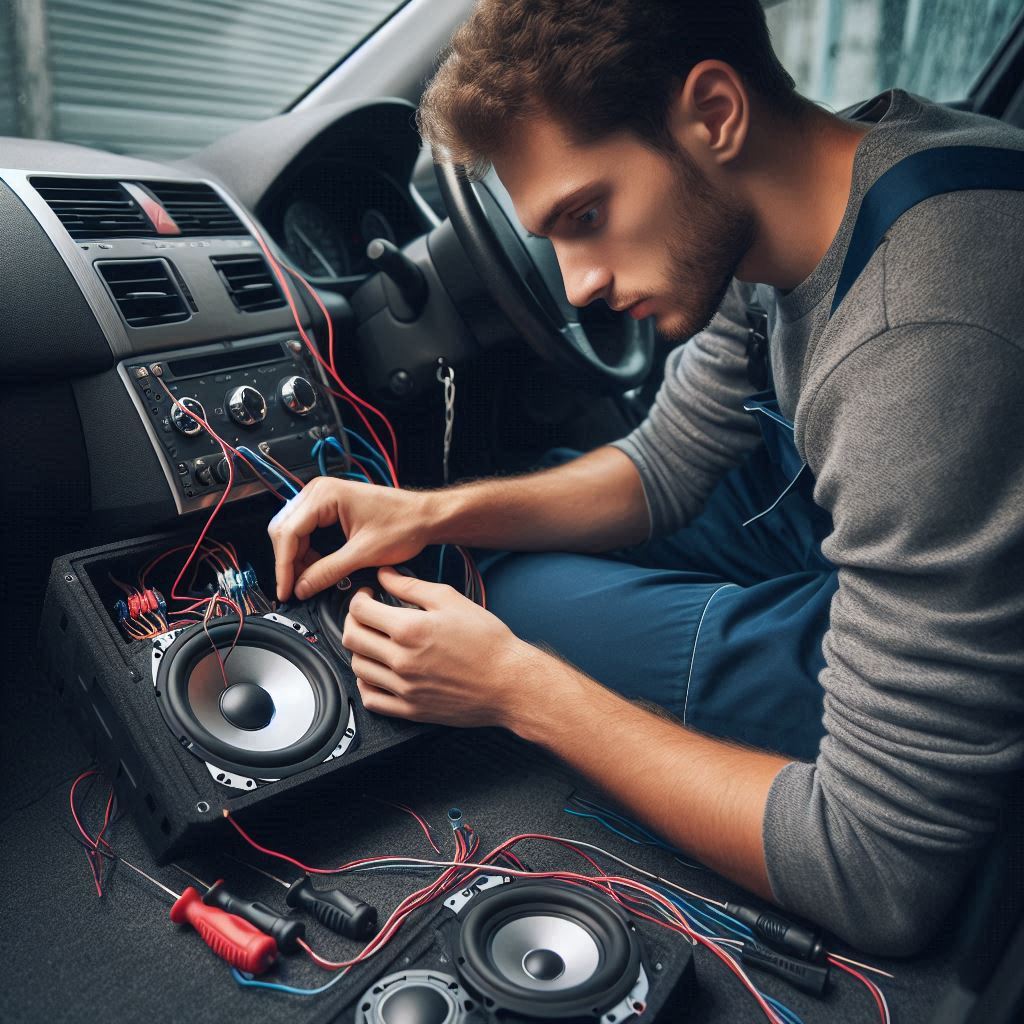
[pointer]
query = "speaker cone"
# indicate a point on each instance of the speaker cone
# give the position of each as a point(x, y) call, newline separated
point(414, 997)
point(548, 951)
point(277, 707)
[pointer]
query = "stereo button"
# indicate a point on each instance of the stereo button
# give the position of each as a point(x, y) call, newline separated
point(247, 406)
point(180, 418)
point(298, 395)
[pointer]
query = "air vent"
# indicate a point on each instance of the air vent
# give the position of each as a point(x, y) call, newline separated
point(145, 291)
point(93, 208)
point(196, 208)
point(249, 282)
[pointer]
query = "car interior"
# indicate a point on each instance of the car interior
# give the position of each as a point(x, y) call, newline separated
point(186, 341)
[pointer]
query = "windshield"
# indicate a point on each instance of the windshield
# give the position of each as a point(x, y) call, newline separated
point(161, 79)
point(844, 51)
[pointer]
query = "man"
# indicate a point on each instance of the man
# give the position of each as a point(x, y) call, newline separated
point(662, 149)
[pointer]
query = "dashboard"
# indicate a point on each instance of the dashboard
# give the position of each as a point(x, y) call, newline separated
point(328, 213)
point(133, 285)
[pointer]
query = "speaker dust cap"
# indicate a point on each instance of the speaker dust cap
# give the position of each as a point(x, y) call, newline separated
point(265, 707)
point(547, 951)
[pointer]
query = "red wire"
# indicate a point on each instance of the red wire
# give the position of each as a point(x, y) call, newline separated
point(352, 398)
point(601, 883)
point(334, 371)
point(92, 853)
point(423, 825)
point(867, 982)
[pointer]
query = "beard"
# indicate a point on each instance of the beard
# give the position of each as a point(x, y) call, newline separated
point(711, 234)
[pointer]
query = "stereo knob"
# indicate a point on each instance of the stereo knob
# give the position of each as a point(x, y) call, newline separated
point(185, 423)
point(222, 471)
point(247, 406)
point(298, 395)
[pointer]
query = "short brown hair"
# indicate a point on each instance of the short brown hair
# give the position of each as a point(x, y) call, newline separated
point(597, 66)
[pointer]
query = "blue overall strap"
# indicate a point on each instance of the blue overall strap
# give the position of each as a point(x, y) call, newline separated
point(931, 172)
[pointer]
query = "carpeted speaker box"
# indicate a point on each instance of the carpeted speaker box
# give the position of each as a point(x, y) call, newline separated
point(526, 951)
point(180, 738)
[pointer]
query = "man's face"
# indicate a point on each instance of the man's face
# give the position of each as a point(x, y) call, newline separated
point(643, 230)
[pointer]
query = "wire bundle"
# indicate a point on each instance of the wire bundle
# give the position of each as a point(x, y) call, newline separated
point(662, 903)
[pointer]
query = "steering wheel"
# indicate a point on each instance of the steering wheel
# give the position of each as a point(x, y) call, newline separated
point(600, 349)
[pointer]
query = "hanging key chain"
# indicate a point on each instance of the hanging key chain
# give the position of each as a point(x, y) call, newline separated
point(446, 376)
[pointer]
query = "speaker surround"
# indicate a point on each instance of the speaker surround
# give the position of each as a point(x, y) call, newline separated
point(551, 946)
point(258, 709)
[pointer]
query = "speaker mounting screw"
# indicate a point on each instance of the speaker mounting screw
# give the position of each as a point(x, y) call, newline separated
point(203, 807)
point(68, 578)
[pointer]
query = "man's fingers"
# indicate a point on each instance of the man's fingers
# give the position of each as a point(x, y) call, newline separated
point(306, 559)
point(326, 571)
point(381, 702)
point(370, 643)
point(412, 590)
point(370, 612)
point(379, 675)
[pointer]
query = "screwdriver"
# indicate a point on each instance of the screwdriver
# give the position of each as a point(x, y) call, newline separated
point(340, 912)
point(285, 931)
point(231, 938)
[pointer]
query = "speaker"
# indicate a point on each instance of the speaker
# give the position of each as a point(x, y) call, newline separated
point(526, 951)
point(257, 703)
point(193, 722)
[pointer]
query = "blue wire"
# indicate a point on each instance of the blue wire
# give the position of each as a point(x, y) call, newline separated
point(374, 453)
point(320, 454)
point(440, 563)
point(607, 825)
point(278, 987)
point(784, 1010)
point(729, 920)
point(626, 821)
point(269, 468)
point(373, 460)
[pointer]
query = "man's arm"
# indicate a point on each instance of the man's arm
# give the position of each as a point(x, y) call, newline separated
point(425, 663)
point(704, 795)
point(594, 503)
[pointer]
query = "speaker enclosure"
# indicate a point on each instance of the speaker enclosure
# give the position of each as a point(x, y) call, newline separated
point(107, 686)
point(639, 970)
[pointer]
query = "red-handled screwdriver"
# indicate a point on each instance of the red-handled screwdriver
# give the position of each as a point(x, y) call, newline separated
point(232, 939)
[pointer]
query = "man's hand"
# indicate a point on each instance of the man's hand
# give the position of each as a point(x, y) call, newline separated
point(382, 526)
point(447, 660)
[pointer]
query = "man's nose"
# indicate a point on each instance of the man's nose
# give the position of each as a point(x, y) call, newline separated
point(584, 280)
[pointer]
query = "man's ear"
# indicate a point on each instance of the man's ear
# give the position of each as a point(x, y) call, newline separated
point(712, 113)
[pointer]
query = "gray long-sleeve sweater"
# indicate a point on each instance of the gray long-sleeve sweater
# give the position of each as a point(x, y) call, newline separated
point(909, 409)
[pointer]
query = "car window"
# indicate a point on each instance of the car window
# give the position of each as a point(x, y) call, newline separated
point(162, 79)
point(843, 51)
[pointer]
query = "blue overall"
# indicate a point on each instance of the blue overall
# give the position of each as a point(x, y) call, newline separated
point(722, 622)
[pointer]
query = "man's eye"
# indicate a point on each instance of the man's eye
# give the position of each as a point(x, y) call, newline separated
point(589, 218)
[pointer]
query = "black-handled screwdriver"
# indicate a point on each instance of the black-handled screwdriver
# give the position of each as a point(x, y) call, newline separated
point(285, 931)
point(340, 912)
point(333, 908)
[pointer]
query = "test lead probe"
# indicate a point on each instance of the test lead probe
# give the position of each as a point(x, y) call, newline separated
point(243, 945)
